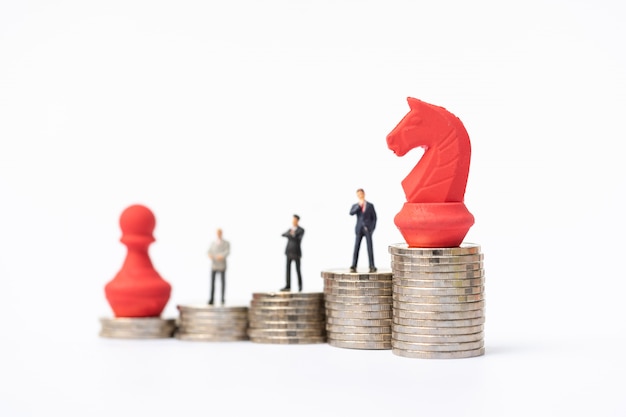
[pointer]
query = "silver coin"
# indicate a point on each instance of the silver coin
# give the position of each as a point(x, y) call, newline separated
point(288, 309)
point(193, 308)
point(289, 340)
point(210, 338)
point(450, 307)
point(440, 299)
point(256, 321)
point(438, 355)
point(436, 338)
point(438, 315)
point(336, 328)
point(359, 299)
point(437, 347)
point(208, 329)
point(339, 314)
point(256, 333)
point(347, 344)
point(358, 307)
point(358, 322)
point(286, 318)
point(437, 277)
point(438, 292)
point(465, 248)
point(213, 322)
point(437, 331)
point(287, 303)
point(345, 275)
point(438, 324)
point(127, 335)
point(288, 295)
point(328, 283)
point(360, 337)
point(408, 267)
point(373, 292)
point(437, 260)
point(287, 325)
point(136, 322)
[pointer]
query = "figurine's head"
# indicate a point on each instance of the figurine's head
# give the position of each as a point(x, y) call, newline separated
point(360, 194)
point(219, 234)
point(295, 220)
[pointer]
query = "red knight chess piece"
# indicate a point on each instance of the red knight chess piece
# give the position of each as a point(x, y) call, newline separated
point(137, 290)
point(434, 214)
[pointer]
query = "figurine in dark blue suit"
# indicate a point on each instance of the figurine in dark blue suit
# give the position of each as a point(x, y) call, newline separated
point(365, 225)
point(293, 251)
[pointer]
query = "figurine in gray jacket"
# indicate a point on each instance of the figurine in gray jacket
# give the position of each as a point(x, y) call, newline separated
point(218, 252)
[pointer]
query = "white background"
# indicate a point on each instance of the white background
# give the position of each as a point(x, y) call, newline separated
point(238, 114)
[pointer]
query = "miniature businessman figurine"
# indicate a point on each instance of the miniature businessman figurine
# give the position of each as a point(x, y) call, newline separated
point(218, 252)
point(365, 225)
point(293, 251)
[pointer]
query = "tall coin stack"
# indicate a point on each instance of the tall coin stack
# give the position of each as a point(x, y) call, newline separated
point(358, 309)
point(137, 327)
point(287, 318)
point(438, 302)
point(207, 323)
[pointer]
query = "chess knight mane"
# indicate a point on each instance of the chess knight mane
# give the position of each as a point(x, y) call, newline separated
point(441, 173)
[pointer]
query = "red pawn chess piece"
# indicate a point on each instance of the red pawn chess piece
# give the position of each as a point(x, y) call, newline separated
point(434, 215)
point(137, 290)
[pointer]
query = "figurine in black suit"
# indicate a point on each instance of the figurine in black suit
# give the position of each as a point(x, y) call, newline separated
point(293, 251)
point(365, 225)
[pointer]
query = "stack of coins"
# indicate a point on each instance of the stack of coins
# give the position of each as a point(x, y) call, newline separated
point(137, 327)
point(358, 309)
point(438, 302)
point(287, 318)
point(207, 323)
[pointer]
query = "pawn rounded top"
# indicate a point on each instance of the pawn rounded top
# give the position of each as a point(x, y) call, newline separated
point(137, 220)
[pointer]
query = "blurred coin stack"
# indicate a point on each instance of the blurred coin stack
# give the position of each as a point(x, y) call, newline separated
point(137, 327)
point(287, 318)
point(207, 323)
point(358, 309)
point(438, 302)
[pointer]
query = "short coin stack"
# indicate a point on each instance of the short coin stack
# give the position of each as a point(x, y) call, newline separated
point(207, 323)
point(438, 302)
point(137, 327)
point(358, 309)
point(287, 318)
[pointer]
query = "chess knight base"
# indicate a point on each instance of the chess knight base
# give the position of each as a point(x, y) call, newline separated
point(434, 225)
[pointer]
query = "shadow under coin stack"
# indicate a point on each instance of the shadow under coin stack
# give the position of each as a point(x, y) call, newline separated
point(207, 323)
point(358, 309)
point(438, 302)
point(137, 327)
point(287, 318)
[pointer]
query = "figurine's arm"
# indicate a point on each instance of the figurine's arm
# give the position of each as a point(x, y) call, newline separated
point(374, 218)
point(355, 209)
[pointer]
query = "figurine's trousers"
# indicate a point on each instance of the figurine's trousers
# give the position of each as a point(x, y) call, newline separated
point(297, 262)
point(223, 280)
point(357, 246)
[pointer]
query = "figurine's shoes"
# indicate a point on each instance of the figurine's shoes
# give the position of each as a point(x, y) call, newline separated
point(286, 289)
point(373, 269)
point(352, 269)
point(210, 302)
